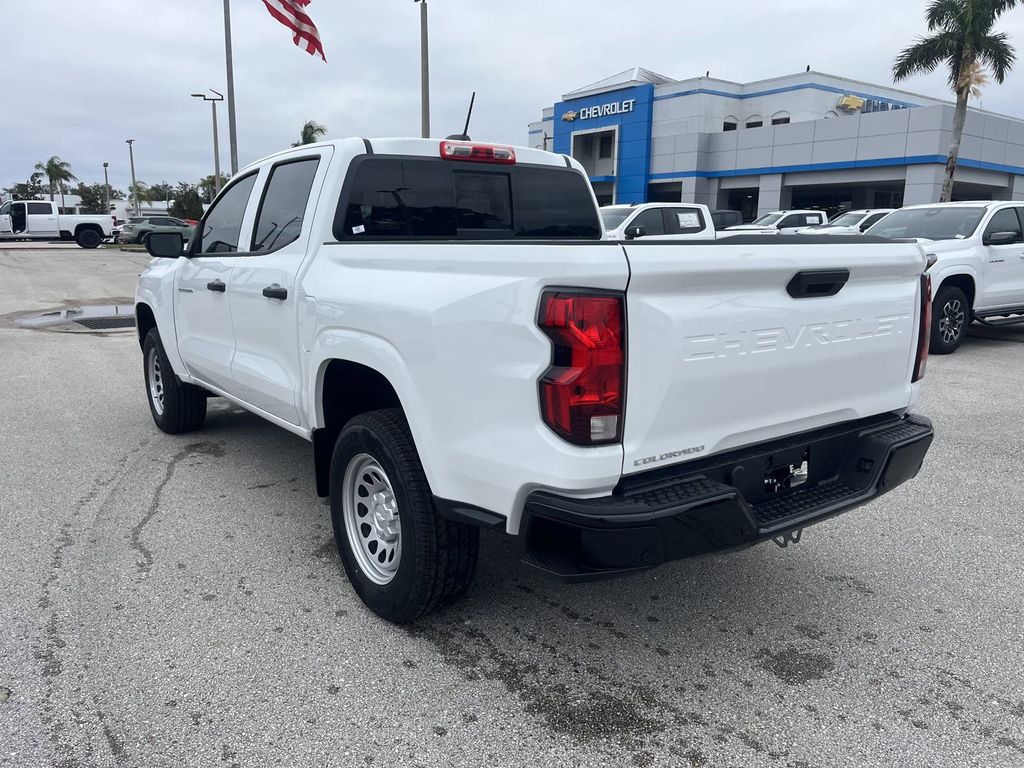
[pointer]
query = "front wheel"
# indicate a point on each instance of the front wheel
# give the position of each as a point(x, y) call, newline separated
point(951, 315)
point(176, 407)
point(402, 558)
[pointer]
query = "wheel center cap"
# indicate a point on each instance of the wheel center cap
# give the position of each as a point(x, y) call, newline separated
point(385, 517)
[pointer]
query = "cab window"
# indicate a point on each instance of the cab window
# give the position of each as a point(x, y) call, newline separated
point(1005, 220)
point(5, 208)
point(39, 209)
point(652, 222)
point(222, 227)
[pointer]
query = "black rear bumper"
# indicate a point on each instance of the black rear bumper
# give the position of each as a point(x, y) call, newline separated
point(723, 502)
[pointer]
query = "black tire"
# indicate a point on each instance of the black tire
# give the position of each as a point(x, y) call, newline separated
point(437, 557)
point(182, 407)
point(88, 237)
point(951, 316)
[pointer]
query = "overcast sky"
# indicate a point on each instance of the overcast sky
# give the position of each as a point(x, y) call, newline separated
point(80, 78)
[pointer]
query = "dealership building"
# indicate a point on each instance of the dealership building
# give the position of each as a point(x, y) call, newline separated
point(809, 140)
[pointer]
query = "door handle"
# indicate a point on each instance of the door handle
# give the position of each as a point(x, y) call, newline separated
point(216, 285)
point(275, 291)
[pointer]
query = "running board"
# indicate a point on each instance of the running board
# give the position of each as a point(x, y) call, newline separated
point(1017, 320)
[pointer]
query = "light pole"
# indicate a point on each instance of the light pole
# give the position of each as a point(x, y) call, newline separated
point(216, 140)
point(135, 188)
point(232, 138)
point(424, 72)
point(106, 187)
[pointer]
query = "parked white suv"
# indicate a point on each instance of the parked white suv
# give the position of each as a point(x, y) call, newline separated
point(979, 273)
point(448, 327)
point(779, 223)
point(665, 221)
point(849, 223)
point(41, 220)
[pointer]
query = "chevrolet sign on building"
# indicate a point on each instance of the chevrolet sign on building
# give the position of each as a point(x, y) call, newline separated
point(809, 140)
point(602, 110)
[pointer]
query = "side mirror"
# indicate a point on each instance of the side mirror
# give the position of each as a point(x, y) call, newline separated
point(165, 245)
point(634, 232)
point(1000, 238)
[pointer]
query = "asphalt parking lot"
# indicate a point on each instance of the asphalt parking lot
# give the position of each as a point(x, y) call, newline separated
point(179, 601)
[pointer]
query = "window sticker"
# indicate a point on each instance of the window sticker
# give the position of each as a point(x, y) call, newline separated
point(687, 219)
point(358, 230)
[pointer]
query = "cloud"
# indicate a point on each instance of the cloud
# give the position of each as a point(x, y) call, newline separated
point(80, 78)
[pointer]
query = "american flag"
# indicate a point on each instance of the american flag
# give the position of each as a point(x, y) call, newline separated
point(289, 13)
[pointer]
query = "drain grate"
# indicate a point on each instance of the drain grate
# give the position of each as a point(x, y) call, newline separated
point(107, 323)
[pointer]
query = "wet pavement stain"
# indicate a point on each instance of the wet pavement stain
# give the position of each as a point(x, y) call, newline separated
point(795, 667)
point(583, 712)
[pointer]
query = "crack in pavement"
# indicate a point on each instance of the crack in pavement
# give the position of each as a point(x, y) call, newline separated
point(49, 649)
point(135, 537)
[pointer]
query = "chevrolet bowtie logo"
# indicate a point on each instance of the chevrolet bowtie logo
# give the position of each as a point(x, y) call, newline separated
point(569, 116)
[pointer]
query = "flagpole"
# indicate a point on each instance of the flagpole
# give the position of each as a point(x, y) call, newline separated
point(233, 138)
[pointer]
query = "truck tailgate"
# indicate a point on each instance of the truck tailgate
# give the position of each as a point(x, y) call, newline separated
point(723, 352)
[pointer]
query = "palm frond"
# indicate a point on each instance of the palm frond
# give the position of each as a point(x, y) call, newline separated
point(925, 55)
point(996, 52)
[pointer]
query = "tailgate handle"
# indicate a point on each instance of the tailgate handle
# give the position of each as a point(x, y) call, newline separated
point(817, 282)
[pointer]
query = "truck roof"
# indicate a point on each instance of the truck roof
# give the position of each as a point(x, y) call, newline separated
point(425, 148)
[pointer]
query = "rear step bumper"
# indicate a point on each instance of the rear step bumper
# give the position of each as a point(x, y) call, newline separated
point(721, 503)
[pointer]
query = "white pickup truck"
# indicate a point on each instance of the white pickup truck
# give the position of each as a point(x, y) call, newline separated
point(778, 223)
point(448, 327)
point(40, 220)
point(979, 269)
point(668, 221)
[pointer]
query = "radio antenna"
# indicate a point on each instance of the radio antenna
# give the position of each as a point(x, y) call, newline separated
point(464, 136)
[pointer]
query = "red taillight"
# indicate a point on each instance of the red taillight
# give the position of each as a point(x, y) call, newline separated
point(582, 394)
point(925, 330)
point(480, 153)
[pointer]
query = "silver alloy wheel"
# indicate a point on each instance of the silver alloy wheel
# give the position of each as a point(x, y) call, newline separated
point(156, 381)
point(371, 517)
point(952, 321)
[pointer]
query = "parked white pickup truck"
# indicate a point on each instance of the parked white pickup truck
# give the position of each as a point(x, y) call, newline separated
point(849, 223)
point(447, 325)
point(779, 223)
point(979, 274)
point(668, 221)
point(40, 220)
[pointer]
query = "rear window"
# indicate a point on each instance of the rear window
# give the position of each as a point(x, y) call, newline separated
point(43, 209)
point(421, 198)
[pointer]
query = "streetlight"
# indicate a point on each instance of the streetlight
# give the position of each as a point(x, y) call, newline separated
point(216, 141)
point(106, 187)
point(424, 72)
point(135, 186)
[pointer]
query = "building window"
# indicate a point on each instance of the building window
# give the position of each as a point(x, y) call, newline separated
point(730, 124)
point(755, 121)
point(605, 147)
point(780, 118)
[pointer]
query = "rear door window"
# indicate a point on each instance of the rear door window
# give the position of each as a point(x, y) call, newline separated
point(39, 209)
point(683, 221)
point(279, 220)
point(423, 198)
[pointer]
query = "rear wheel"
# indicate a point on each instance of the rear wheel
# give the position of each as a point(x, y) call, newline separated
point(402, 558)
point(88, 237)
point(951, 315)
point(176, 407)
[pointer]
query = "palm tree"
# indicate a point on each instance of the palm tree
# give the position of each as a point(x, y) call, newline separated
point(961, 37)
point(312, 132)
point(138, 194)
point(58, 172)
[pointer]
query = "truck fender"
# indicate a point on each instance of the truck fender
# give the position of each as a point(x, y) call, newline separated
point(379, 355)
